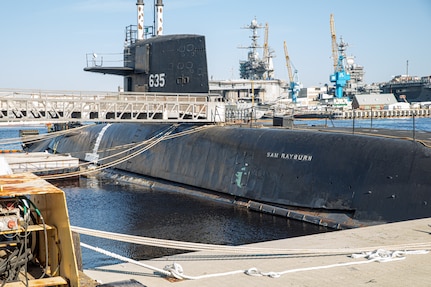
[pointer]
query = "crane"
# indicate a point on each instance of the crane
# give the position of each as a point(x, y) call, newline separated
point(334, 42)
point(293, 77)
point(267, 56)
point(340, 76)
point(265, 43)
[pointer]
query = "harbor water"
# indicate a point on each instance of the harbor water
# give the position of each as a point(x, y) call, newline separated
point(409, 123)
point(9, 136)
point(107, 205)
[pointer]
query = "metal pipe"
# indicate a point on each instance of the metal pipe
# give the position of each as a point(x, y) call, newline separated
point(159, 23)
point(140, 6)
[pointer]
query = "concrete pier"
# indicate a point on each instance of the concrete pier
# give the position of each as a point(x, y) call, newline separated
point(330, 265)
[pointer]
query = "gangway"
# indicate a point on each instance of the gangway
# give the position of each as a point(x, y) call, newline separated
point(80, 106)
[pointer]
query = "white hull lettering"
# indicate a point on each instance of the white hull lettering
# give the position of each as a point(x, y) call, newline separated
point(272, 154)
point(290, 156)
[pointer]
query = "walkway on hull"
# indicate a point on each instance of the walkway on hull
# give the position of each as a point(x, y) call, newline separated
point(79, 106)
point(330, 265)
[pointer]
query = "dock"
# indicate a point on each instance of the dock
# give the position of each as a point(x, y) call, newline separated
point(40, 163)
point(315, 260)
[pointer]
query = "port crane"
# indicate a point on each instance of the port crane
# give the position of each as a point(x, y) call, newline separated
point(265, 43)
point(267, 56)
point(293, 77)
point(340, 76)
point(266, 50)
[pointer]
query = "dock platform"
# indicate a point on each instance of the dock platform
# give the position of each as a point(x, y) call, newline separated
point(40, 163)
point(315, 260)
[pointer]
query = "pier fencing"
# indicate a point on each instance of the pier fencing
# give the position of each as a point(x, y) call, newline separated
point(382, 113)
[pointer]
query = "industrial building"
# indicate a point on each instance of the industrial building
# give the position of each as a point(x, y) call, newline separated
point(373, 101)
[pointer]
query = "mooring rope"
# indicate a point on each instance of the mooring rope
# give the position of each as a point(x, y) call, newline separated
point(41, 137)
point(136, 149)
point(190, 246)
point(175, 270)
point(152, 142)
point(122, 258)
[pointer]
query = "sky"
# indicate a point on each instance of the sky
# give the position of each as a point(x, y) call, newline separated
point(44, 43)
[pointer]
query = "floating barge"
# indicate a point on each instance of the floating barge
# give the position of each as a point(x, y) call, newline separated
point(41, 163)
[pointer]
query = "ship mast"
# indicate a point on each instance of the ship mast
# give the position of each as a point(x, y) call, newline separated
point(407, 68)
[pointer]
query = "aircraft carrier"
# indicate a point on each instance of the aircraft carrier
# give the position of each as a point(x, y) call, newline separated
point(409, 88)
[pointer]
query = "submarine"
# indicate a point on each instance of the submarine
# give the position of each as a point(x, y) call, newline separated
point(330, 178)
point(161, 63)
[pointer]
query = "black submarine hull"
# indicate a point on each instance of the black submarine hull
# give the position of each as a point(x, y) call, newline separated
point(368, 179)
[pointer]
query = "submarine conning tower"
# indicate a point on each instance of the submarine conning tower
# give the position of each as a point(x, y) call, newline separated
point(160, 63)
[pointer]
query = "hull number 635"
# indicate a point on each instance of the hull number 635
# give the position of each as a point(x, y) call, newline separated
point(156, 80)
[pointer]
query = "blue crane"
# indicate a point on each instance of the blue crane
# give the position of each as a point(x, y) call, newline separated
point(294, 86)
point(340, 76)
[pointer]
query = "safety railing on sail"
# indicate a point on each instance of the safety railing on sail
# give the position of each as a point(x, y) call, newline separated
point(105, 59)
point(64, 106)
point(132, 33)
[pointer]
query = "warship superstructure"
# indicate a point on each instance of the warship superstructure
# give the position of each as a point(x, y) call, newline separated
point(256, 67)
point(256, 81)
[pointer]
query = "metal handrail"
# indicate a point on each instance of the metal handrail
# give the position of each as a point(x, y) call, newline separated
point(61, 106)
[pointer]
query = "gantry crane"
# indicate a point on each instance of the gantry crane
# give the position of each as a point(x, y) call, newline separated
point(340, 76)
point(293, 77)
